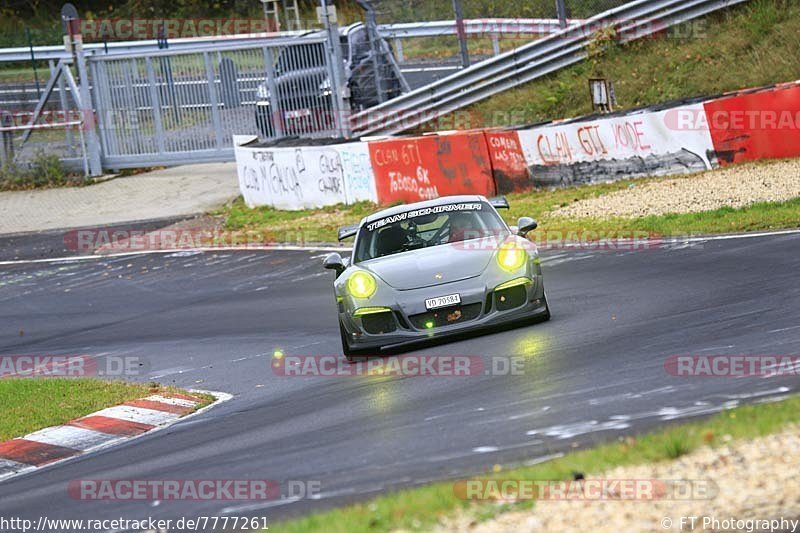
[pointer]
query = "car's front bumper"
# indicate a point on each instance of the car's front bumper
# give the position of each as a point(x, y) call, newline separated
point(412, 322)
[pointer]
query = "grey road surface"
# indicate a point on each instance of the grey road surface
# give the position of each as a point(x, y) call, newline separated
point(214, 321)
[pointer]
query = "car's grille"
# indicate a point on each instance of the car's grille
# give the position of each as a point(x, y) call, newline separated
point(378, 323)
point(510, 298)
point(446, 316)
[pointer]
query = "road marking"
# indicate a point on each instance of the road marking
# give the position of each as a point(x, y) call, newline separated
point(34, 453)
point(182, 402)
point(9, 468)
point(139, 414)
point(782, 329)
point(76, 438)
point(112, 426)
point(160, 406)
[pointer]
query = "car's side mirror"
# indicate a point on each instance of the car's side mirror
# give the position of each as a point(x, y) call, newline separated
point(525, 225)
point(334, 262)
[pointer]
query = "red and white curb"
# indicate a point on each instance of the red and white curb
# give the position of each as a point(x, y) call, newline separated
point(99, 430)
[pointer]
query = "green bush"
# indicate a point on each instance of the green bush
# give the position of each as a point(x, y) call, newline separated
point(43, 171)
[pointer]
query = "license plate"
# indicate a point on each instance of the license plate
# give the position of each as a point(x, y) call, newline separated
point(443, 301)
point(300, 113)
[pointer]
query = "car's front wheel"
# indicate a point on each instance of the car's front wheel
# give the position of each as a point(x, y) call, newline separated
point(350, 354)
point(544, 317)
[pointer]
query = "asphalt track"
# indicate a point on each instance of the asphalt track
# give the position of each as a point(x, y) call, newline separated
point(214, 320)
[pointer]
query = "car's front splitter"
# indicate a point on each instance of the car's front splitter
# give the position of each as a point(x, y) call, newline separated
point(534, 306)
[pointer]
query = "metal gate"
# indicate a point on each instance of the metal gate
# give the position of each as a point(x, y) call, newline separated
point(183, 106)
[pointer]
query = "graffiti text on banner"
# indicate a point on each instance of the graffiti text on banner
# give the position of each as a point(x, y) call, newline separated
point(509, 167)
point(423, 168)
point(305, 177)
point(614, 148)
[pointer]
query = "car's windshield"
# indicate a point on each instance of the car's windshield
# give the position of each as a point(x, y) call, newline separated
point(423, 228)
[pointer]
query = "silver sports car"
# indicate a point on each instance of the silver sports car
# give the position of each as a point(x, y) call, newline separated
point(432, 269)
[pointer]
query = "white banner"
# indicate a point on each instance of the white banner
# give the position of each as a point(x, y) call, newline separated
point(304, 177)
point(359, 178)
point(635, 144)
point(290, 178)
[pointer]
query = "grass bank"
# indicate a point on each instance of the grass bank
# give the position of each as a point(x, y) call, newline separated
point(755, 44)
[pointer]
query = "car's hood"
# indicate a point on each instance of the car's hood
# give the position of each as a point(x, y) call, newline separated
point(430, 266)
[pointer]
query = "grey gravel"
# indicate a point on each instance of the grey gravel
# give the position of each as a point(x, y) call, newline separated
point(736, 186)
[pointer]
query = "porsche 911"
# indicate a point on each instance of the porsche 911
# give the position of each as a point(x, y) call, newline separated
point(433, 269)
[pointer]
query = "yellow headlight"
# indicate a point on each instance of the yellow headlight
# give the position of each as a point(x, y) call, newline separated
point(362, 284)
point(511, 256)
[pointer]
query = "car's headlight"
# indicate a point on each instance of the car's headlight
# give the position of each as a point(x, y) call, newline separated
point(325, 87)
point(262, 92)
point(362, 284)
point(511, 256)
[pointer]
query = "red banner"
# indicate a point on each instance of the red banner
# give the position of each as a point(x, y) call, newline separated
point(423, 168)
point(510, 169)
point(759, 125)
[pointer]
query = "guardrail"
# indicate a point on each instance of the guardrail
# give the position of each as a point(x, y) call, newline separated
point(508, 70)
point(388, 31)
point(471, 27)
point(44, 53)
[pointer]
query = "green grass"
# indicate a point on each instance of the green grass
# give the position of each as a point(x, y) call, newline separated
point(447, 46)
point(44, 171)
point(308, 225)
point(419, 509)
point(321, 225)
point(752, 45)
point(32, 404)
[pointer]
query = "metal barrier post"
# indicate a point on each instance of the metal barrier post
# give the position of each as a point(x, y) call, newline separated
point(62, 97)
point(561, 13)
point(89, 122)
point(461, 32)
point(216, 121)
point(338, 84)
point(275, 112)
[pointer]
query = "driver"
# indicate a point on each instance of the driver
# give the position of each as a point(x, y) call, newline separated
point(391, 240)
point(463, 227)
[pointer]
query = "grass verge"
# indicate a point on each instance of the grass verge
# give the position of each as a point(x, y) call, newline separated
point(419, 509)
point(44, 171)
point(31, 404)
point(320, 225)
point(751, 45)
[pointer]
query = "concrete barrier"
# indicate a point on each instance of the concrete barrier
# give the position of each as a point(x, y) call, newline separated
point(660, 140)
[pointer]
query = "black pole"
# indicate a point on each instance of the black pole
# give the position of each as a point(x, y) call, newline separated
point(561, 13)
point(33, 62)
point(461, 32)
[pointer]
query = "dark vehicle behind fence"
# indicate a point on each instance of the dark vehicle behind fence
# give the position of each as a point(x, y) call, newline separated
point(303, 84)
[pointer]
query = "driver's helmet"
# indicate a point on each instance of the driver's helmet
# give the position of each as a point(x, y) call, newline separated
point(463, 227)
